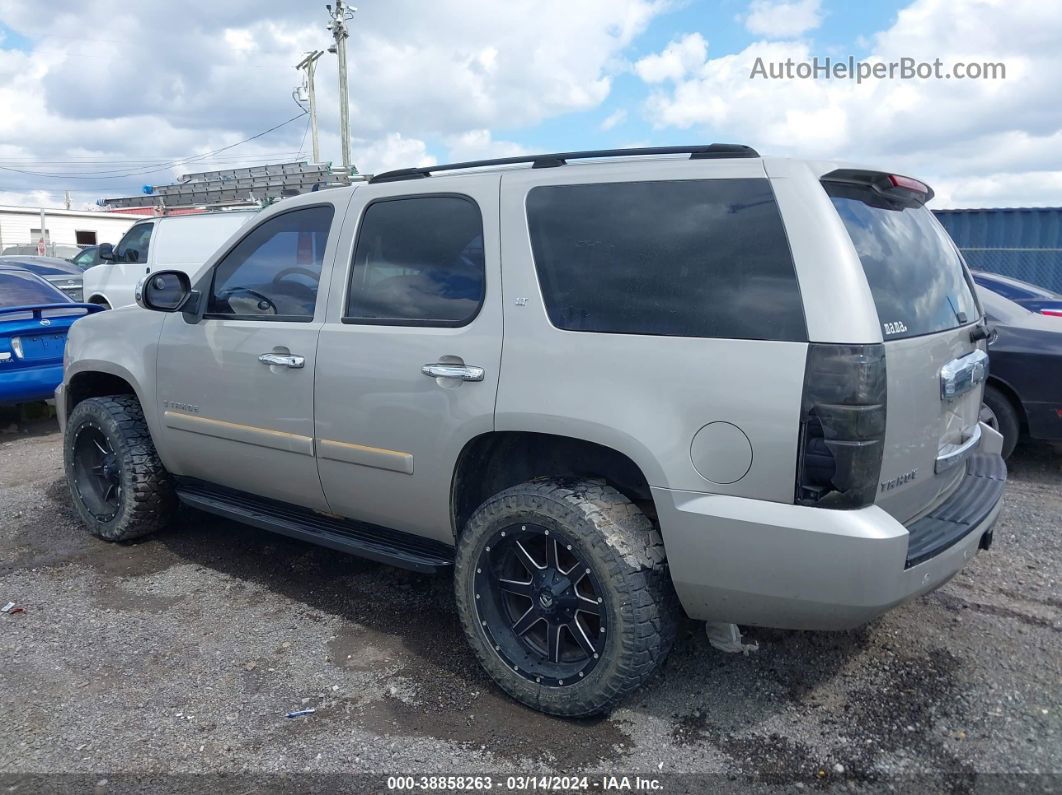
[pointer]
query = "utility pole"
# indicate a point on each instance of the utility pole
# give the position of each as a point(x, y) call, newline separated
point(340, 16)
point(309, 63)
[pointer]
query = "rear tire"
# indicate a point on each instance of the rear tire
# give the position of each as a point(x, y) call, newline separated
point(1003, 417)
point(118, 485)
point(607, 552)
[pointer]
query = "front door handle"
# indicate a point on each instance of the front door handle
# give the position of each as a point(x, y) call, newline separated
point(283, 360)
point(444, 370)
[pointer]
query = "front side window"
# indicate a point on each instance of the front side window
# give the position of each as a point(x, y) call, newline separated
point(133, 247)
point(691, 258)
point(419, 261)
point(274, 271)
point(86, 259)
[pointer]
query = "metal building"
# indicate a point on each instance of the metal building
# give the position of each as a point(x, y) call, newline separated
point(64, 231)
point(1022, 242)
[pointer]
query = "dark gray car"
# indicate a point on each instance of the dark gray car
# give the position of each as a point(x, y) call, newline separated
point(62, 273)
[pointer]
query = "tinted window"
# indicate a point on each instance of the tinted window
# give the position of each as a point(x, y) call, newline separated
point(275, 270)
point(419, 261)
point(134, 246)
point(25, 289)
point(86, 259)
point(914, 272)
point(699, 258)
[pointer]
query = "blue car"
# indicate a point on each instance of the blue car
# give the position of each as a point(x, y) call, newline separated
point(1030, 296)
point(34, 320)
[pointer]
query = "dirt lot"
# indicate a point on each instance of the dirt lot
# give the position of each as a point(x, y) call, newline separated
point(184, 652)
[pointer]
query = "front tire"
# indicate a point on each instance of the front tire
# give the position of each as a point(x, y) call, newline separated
point(564, 594)
point(118, 485)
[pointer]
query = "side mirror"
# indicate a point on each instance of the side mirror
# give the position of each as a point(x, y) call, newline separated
point(106, 252)
point(165, 291)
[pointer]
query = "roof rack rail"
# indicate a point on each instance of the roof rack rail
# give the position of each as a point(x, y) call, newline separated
point(702, 152)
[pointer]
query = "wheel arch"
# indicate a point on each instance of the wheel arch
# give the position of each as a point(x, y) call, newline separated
point(494, 461)
point(86, 384)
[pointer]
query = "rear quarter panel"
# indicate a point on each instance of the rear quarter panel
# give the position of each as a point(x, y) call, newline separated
point(645, 396)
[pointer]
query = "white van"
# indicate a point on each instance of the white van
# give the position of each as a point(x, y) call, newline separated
point(181, 242)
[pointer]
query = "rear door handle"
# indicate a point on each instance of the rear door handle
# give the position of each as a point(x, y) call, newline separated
point(283, 360)
point(462, 371)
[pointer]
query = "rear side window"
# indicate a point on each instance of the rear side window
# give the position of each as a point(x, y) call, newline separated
point(696, 258)
point(419, 262)
point(915, 274)
point(25, 289)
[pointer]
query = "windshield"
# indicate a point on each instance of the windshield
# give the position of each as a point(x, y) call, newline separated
point(24, 289)
point(914, 272)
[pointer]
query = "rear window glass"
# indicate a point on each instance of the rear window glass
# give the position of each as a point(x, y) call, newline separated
point(693, 258)
point(25, 289)
point(915, 274)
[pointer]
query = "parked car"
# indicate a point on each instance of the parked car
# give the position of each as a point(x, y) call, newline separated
point(57, 250)
point(183, 242)
point(1031, 296)
point(87, 258)
point(34, 320)
point(61, 273)
point(1023, 397)
point(587, 388)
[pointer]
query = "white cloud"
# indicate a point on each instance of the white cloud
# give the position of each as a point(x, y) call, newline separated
point(676, 61)
point(778, 19)
point(479, 145)
point(972, 137)
point(156, 81)
point(390, 152)
point(613, 119)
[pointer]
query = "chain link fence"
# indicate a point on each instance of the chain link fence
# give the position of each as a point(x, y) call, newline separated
point(1041, 266)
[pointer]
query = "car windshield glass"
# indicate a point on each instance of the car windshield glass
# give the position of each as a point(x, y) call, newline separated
point(25, 289)
point(914, 272)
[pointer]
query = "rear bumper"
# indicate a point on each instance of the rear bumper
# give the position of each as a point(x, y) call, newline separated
point(795, 567)
point(29, 383)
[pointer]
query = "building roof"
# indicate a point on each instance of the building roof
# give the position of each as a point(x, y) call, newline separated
point(59, 211)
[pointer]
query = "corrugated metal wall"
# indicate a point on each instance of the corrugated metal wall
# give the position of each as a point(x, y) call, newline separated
point(1023, 242)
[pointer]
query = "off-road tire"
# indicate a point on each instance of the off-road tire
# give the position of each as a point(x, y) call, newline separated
point(626, 552)
point(1007, 421)
point(147, 501)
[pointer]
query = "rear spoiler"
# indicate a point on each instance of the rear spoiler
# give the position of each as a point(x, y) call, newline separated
point(906, 190)
point(39, 309)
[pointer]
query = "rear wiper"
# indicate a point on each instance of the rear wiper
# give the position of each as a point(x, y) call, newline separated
point(960, 316)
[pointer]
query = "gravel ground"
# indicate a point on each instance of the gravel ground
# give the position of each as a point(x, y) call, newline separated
point(183, 653)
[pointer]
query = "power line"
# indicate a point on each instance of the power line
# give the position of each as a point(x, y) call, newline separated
point(160, 167)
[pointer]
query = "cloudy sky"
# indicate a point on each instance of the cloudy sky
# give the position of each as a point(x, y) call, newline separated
point(99, 97)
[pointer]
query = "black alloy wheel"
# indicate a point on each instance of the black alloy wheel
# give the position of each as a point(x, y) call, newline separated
point(97, 473)
point(541, 607)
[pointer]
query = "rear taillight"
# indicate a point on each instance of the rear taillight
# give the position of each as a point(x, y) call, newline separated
point(1051, 312)
point(842, 425)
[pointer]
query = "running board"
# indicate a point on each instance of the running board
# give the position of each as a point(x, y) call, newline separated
point(373, 542)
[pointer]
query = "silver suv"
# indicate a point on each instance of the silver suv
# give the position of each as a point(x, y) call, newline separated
point(597, 389)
